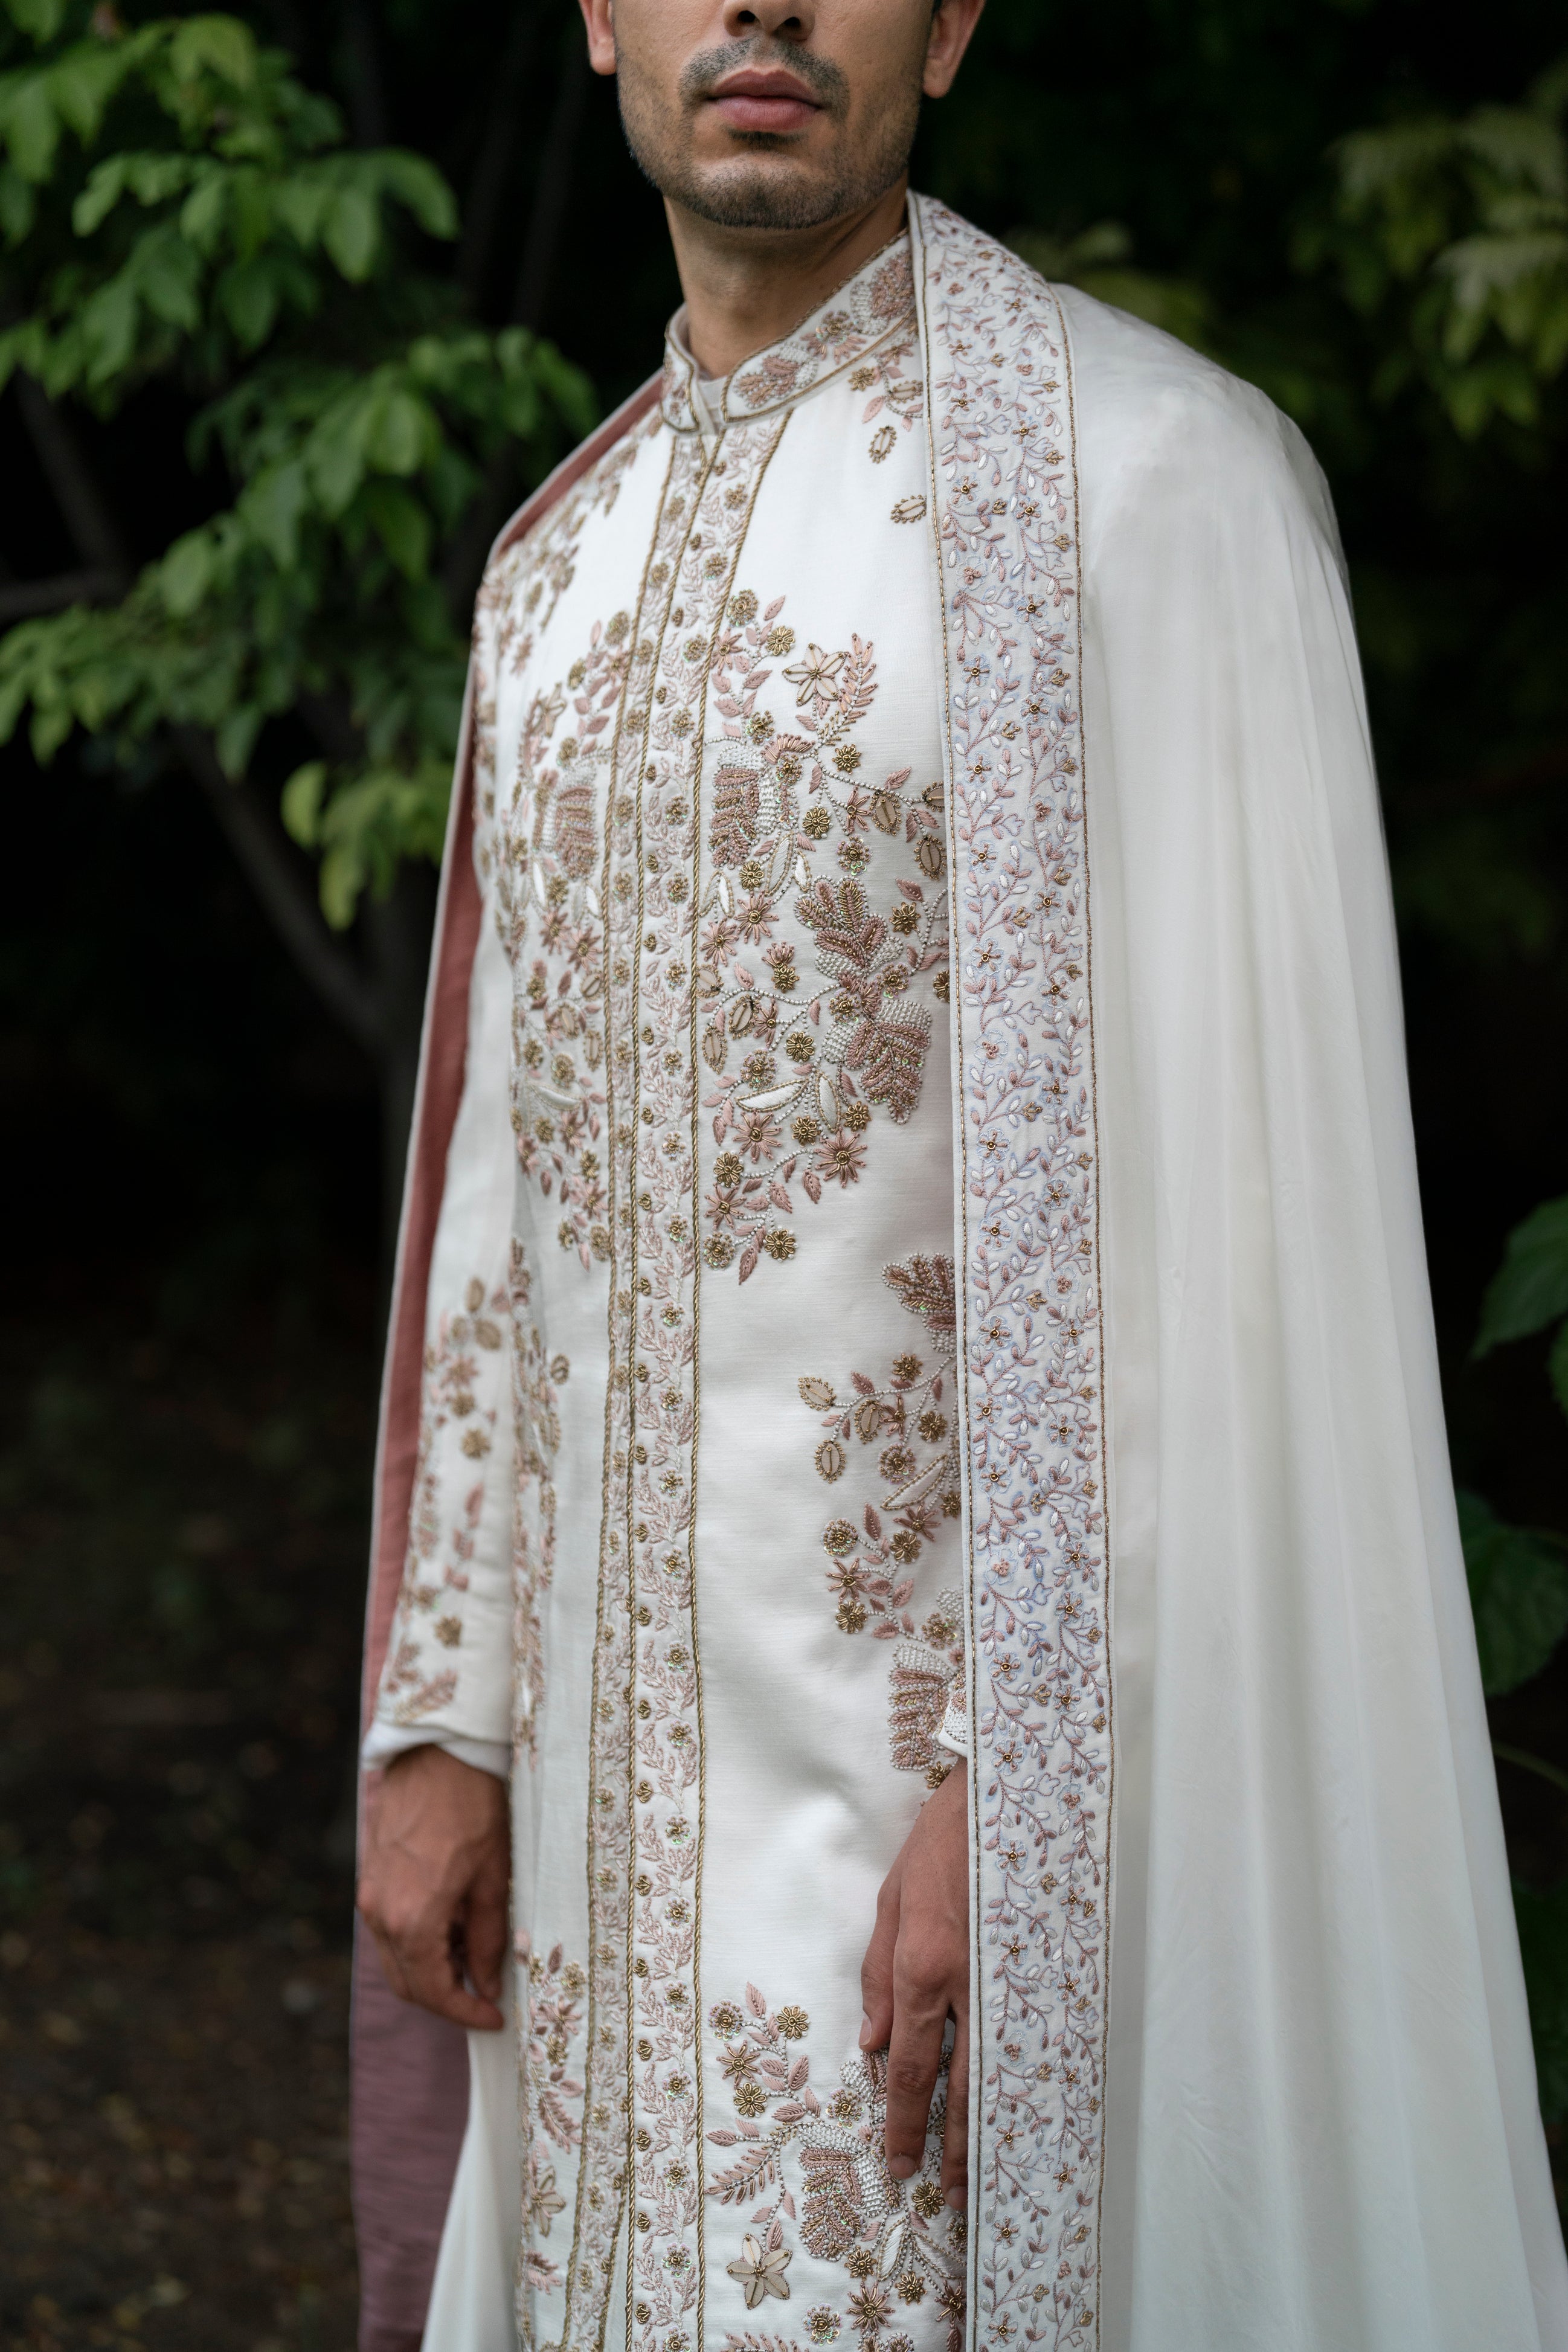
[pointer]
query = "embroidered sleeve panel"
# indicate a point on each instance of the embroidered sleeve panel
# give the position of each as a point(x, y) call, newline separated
point(451, 1608)
point(447, 1669)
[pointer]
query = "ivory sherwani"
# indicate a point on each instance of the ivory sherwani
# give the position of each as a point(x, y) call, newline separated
point(866, 1300)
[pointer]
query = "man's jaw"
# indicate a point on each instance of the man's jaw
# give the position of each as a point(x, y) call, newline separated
point(774, 103)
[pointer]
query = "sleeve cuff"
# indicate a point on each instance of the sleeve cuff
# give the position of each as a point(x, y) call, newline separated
point(383, 1741)
point(953, 1732)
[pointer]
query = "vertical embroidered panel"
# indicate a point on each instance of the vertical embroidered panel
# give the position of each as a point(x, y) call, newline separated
point(655, 890)
point(1005, 514)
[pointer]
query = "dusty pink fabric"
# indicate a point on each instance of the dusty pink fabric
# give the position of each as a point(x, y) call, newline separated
point(410, 2069)
point(410, 2109)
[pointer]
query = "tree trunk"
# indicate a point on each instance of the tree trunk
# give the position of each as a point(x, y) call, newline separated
point(397, 931)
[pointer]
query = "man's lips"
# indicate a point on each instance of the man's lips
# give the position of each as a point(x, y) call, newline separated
point(765, 101)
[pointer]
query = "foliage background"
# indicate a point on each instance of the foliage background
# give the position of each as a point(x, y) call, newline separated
point(229, 671)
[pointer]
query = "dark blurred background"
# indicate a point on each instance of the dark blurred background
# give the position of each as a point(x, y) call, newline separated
point(198, 1134)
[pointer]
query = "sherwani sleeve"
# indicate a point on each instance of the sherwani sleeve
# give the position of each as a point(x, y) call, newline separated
point(448, 1677)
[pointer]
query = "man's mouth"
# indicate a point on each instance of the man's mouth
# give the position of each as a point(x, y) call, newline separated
point(765, 101)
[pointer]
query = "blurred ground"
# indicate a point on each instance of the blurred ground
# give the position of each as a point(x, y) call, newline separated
point(174, 2168)
point(180, 1572)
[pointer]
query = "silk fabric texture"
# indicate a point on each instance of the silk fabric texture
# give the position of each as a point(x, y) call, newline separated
point(1251, 2062)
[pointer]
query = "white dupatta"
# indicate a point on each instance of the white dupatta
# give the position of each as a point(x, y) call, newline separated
point(1252, 2068)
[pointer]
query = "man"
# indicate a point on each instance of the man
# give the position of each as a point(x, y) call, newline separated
point(899, 1384)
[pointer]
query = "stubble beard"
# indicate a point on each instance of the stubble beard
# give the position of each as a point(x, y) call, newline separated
point(750, 191)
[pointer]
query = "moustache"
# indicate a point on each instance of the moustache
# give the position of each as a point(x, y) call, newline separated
point(827, 83)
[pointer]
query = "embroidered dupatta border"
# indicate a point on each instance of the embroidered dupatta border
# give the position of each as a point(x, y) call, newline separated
point(1005, 518)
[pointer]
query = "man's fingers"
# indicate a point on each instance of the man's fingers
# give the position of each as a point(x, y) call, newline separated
point(955, 2137)
point(914, 2055)
point(426, 1969)
point(484, 1937)
point(876, 1970)
point(425, 1960)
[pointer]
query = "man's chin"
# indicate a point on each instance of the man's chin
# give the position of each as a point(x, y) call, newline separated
point(777, 193)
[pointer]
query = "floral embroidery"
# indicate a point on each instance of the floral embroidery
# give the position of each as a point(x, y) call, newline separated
point(897, 2241)
point(552, 2099)
point(917, 1459)
point(433, 1585)
point(528, 577)
point(802, 1098)
point(1030, 1345)
point(536, 1380)
point(549, 918)
point(901, 398)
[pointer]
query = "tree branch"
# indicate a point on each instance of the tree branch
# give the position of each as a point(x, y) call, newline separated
point(263, 851)
point(20, 599)
point(554, 186)
point(253, 834)
point(86, 512)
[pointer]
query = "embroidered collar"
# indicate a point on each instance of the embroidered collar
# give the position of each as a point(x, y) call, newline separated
point(876, 303)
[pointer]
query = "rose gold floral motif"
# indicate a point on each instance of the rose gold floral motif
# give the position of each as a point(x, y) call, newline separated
point(461, 1361)
point(552, 2099)
point(860, 1041)
point(869, 1563)
point(536, 1379)
point(897, 2239)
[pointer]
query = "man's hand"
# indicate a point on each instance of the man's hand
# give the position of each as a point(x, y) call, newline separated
point(915, 1976)
point(433, 1890)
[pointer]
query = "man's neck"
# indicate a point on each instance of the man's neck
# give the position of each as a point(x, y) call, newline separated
point(746, 288)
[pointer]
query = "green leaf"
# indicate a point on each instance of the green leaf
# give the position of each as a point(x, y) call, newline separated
point(105, 186)
point(402, 525)
point(302, 804)
point(81, 83)
point(1557, 1367)
point(343, 879)
point(41, 18)
point(108, 325)
point(1519, 1595)
point(422, 188)
point(1530, 1288)
point(202, 214)
point(352, 232)
point(31, 128)
point(336, 457)
point(273, 506)
point(18, 206)
point(247, 293)
point(186, 573)
point(301, 203)
point(168, 278)
point(402, 431)
point(215, 45)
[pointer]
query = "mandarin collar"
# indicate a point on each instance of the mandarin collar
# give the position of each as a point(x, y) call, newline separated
point(877, 303)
